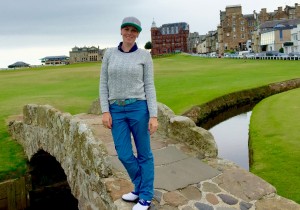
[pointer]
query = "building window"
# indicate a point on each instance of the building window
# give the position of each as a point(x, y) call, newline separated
point(242, 29)
point(280, 35)
point(233, 29)
point(242, 36)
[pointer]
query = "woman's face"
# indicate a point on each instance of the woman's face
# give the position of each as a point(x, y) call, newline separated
point(129, 34)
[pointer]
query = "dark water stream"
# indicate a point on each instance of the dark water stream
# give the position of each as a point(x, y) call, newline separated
point(231, 137)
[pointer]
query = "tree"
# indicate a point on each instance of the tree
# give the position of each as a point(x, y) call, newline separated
point(148, 45)
point(281, 50)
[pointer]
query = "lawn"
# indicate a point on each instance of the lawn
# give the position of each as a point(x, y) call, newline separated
point(275, 140)
point(181, 82)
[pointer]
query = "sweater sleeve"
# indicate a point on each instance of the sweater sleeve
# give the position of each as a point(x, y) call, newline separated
point(103, 86)
point(149, 86)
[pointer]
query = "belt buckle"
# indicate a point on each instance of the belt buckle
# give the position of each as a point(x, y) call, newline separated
point(121, 102)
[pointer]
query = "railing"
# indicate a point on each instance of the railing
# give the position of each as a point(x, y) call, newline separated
point(251, 57)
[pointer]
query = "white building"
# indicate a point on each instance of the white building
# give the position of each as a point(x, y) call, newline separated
point(295, 40)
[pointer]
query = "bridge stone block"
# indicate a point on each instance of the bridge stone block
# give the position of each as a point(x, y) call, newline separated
point(184, 130)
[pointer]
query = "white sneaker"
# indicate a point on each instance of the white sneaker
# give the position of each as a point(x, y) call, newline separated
point(130, 197)
point(142, 205)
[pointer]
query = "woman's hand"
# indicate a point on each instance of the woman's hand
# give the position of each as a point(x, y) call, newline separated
point(107, 120)
point(153, 125)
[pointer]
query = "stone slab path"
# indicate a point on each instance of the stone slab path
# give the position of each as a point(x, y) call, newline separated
point(183, 181)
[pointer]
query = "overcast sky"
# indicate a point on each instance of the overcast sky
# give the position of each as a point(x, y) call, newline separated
point(33, 29)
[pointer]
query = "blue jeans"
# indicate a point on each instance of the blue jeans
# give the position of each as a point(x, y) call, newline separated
point(133, 119)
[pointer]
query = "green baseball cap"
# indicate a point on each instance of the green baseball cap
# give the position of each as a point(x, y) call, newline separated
point(132, 21)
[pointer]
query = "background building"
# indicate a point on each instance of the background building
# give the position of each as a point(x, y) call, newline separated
point(55, 60)
point(235, 29)
point(85, 54)
point(169, 38)
point(19, 64)
point(194, 40)
point(277, 34)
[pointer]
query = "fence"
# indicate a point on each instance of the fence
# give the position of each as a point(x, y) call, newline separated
point(13, 195)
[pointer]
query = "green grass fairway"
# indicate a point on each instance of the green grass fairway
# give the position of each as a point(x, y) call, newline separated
point(275, 139)
point(181, 82)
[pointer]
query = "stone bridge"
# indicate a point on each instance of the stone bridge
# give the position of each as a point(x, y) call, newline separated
point(188, 174)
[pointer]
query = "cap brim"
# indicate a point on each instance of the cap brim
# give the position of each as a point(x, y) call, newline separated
point(132, 24)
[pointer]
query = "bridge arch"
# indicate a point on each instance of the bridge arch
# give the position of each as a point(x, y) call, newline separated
point(82, 157)
point(49, 186)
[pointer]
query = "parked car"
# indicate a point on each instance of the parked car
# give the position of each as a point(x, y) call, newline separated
point(260, 55)
point(272, 53)
point(283, 56)
point(250, 55)
point(295, 55)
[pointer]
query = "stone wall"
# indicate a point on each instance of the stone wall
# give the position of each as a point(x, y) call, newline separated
point(83, 159)
point(183, 129)
point(200, 114)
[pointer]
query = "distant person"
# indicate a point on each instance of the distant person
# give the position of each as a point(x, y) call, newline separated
point(128, 103)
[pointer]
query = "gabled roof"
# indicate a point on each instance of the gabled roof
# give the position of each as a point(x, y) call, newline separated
point(286, 23)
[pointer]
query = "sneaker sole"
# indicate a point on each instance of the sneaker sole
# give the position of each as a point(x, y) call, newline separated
point(131, 201)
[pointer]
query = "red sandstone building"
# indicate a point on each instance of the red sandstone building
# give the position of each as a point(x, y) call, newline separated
point(169, 38)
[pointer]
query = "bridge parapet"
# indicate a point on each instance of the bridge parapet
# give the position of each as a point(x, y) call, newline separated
point(83, 158)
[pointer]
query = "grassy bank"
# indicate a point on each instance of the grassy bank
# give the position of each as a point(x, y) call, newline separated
point(275, 141)
point(181, 82)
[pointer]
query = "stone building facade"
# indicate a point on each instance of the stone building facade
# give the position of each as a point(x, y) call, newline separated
point(194, 40)
point(85, 54)
point(236, 30)
point(169, 38)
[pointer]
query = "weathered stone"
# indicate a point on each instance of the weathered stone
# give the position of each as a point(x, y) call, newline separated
point(244, 185)
point(210, 187)
point(164, 114)
point(117, 187)
point(121, 205)
point(226, 208)
point(211, 198)
point(245, 206)
point(228, 199)
point(187, 208)
point(184, 130)
point(95, 108)
point(191, 193)
point(203, 206)
point(276, 203)
point(81, 156)
point(167, 207)
point(157, 195)
point(174, 199)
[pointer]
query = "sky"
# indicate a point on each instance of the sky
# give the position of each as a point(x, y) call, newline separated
point(33, 29)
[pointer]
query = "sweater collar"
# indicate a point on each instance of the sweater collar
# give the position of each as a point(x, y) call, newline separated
point(134, 48)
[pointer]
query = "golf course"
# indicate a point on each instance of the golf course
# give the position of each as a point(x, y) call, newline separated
point(181, 81)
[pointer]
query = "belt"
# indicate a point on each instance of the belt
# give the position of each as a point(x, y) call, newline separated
point(124, 102)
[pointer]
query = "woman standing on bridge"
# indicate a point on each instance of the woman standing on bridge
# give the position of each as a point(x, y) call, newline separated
point(128, 103)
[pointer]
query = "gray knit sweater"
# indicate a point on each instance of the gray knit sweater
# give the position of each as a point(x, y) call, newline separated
point(127, 75)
